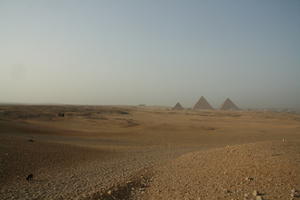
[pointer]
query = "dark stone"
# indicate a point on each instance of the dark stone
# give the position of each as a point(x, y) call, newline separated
point(29, 177)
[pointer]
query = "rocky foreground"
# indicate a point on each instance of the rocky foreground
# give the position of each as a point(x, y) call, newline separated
point(257, 171)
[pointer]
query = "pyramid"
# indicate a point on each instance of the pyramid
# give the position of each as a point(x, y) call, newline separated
point(202, 104)
point(178, 107)
point(229, 105)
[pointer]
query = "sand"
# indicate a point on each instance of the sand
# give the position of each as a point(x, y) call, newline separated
point(122, 152)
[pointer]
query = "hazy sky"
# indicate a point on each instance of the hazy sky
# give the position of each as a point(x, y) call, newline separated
point(154, 52)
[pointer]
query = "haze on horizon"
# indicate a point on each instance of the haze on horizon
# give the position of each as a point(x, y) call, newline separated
point(151, 52)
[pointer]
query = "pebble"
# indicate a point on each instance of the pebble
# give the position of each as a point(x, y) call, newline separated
point(259, 198)
point(109, 192)
point(294, 193)
point(226, 191)
point(255, 193)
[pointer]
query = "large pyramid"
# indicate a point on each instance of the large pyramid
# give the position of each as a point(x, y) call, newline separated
point(229, 105)
point(202, 104)
point(178, 106)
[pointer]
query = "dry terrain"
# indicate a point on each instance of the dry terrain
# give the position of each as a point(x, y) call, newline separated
point(122, 152)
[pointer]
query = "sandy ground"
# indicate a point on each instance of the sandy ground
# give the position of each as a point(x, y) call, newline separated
point(102, 152)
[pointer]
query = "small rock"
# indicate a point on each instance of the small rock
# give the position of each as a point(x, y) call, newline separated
point(226, 191)
point(293, 195)
point(259, 198)
point(29, 177)
point(255, 193)
point(109, 192)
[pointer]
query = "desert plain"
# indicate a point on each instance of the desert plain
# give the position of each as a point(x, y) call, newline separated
point(141, 152)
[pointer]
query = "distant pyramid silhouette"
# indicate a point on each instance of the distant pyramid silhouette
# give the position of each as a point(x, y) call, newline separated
point(178, 106)
point(229, 105)
point(202, 104)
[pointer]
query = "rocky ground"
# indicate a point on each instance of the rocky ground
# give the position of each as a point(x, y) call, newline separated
point(257, 171)
point(70, 172)
point(266, 170)
point(135, 153)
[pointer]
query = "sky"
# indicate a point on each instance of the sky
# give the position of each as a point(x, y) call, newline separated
point(154, 52)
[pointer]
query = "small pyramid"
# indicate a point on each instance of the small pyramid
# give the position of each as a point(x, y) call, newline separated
point(202, 104)
point(178, 106)
point(229, 105)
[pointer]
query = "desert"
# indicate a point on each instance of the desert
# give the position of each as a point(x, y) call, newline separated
point(143, 152)
point(149, 100)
